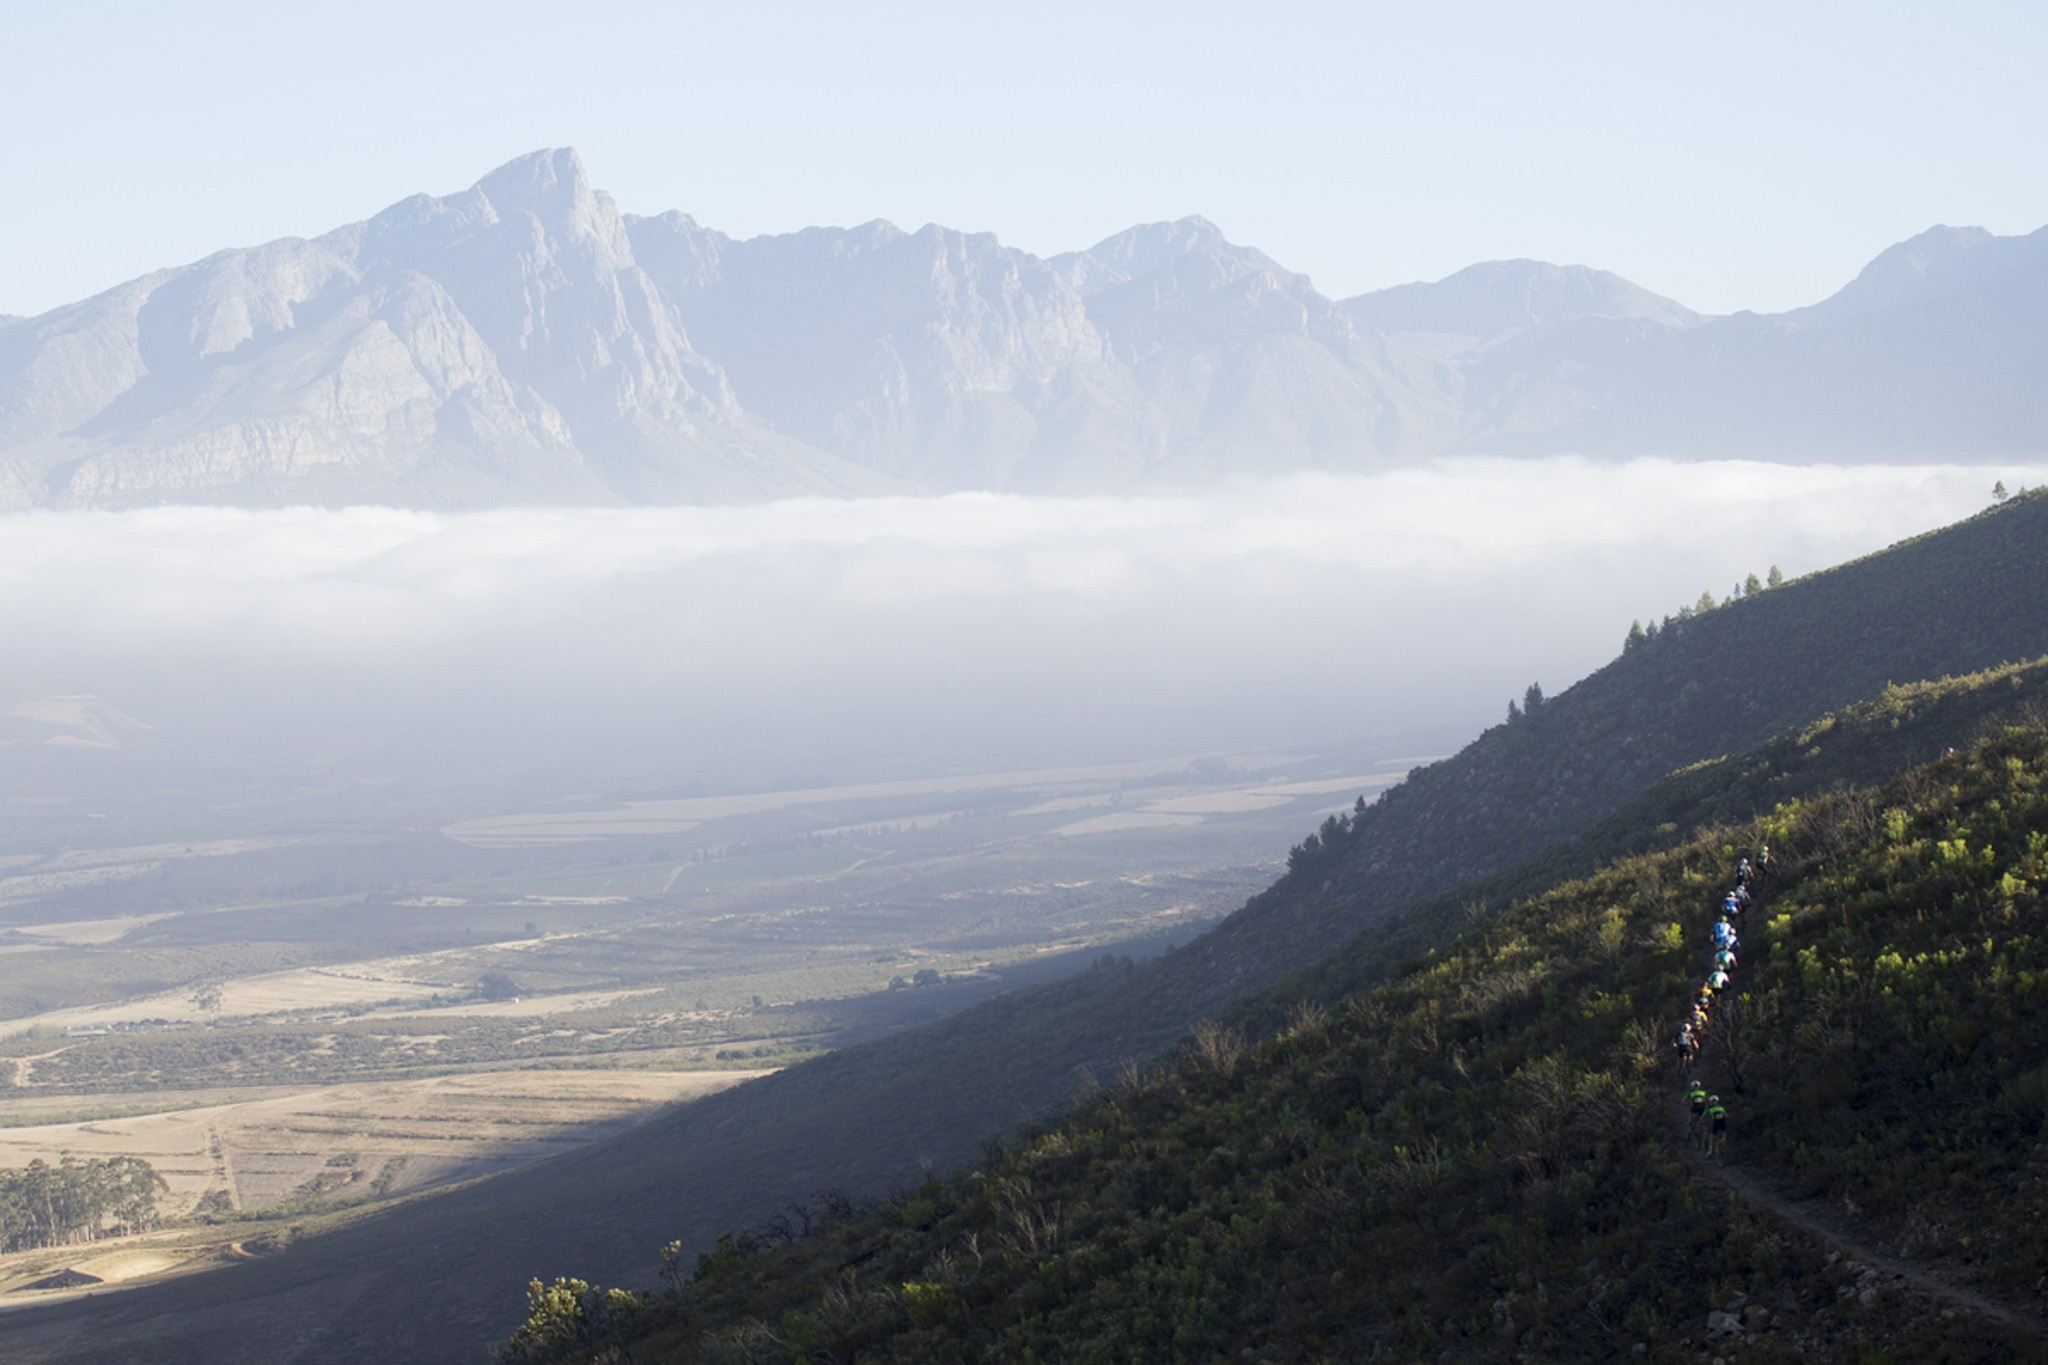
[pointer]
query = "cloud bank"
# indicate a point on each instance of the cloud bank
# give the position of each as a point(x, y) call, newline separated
point(707, 647)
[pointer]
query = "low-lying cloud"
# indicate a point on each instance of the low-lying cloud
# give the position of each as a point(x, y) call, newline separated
point(814, 638)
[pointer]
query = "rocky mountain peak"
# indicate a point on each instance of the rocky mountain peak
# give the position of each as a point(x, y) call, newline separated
point(1939, 261)
point(552, 188)
point(1486, 305)
point(1150, 248)
point(541, 183)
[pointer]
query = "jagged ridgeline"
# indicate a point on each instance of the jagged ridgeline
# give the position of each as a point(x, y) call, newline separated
point(1484, 1156)
point(525, 341)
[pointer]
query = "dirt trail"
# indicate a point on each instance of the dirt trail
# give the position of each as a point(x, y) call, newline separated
point(1822, 1222)
point(1818, 1219)
point(24, 1067)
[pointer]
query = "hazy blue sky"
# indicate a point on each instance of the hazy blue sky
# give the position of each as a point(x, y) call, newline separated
point(1731, 155)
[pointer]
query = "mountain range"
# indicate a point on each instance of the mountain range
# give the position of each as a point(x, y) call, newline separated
point(526, 342)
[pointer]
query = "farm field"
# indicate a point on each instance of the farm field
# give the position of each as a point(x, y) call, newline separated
point(307, 1152)
point(393, 1136)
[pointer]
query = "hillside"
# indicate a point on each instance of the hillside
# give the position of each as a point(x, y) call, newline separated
point(862, 1119)
point(525, 341)
point(1483, 1158)
point(1861, 745)
point(1716, 683)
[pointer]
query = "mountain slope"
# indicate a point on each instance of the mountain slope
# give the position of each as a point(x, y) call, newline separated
point(1480, 1158)
point(920, 355)
point(1713, 684)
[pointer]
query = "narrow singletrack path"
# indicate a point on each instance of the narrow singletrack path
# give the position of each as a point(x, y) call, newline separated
point(1818, 1219)
point(1815, 1217)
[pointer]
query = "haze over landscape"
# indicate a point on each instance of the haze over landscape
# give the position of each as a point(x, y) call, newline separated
point(986, 792)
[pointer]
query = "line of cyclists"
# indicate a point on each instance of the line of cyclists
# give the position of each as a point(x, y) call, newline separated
point(1709, 1117)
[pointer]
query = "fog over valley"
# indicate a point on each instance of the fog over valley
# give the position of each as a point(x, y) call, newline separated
point(536, 654)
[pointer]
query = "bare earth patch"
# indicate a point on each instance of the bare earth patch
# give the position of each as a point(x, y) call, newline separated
point(88, 932)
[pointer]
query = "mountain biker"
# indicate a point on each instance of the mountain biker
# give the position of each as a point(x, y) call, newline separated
point(1743, 871)
point(1684, 1045)
point(1696, 1101)
point(1717, 1126)
point(1764, 862)
point(1718, 981)
point(1724, 934)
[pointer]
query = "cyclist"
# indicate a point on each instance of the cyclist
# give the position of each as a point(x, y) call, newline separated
point(1718, 981)
point(1724, 960)
point(1696, 1102)
point(1717, 1127)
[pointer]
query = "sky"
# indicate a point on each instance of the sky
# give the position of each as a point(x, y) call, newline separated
point(1729, 155)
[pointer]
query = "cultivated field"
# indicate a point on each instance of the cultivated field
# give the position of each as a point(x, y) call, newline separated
point(334, 1146)
point(398, 1136)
